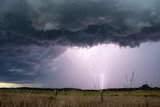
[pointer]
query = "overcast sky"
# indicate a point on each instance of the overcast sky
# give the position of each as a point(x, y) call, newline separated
point(79, 43)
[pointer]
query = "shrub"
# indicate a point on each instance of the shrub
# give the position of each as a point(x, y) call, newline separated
point(145, 87)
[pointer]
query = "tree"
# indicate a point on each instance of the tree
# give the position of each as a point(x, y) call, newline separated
point(145, 86)
point(130, 80)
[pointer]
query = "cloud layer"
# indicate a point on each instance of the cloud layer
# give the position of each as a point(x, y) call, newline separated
point(33, 32)
point(27, 64)
point(82, 23)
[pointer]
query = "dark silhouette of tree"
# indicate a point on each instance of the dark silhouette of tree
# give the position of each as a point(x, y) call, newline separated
point(130, 80)
point(145, 87)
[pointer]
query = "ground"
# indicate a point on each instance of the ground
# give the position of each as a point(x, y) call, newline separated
point(79, 98)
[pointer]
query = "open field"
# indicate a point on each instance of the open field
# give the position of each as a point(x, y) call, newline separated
point(77, 98)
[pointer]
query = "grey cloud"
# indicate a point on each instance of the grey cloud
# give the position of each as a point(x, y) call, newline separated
point(82, 23)
point(27, 64)
point(31, 31)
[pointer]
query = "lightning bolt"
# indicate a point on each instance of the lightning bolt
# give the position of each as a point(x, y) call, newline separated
point(97, 77)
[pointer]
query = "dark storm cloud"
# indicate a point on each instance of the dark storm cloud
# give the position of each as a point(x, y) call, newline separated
point(82, 23)
point(91, 35)
point(26, 64)
point(30, 30)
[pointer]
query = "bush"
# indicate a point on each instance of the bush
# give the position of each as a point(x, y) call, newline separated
point(145, 87)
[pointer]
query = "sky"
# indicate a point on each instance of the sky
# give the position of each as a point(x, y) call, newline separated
point(87, 44)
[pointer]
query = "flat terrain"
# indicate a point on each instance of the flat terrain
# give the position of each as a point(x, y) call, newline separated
point(77, 98)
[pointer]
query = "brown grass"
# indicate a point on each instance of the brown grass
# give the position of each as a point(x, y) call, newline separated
point(80, 99)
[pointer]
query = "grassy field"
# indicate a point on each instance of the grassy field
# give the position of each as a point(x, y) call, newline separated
point(73, 98)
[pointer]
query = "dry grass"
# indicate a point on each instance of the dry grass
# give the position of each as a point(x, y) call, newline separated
point(80, 99)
